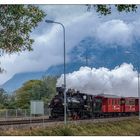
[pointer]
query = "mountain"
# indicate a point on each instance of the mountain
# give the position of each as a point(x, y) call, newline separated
point(99, 54)
point(18, 79)
point(89, 52)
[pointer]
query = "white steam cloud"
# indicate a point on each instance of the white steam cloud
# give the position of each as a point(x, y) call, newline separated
point(121, 81)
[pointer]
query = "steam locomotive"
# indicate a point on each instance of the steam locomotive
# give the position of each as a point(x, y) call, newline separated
point(82, 106)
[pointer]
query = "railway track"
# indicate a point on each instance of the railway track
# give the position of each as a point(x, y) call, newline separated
point(46, 120)
point(25, 121)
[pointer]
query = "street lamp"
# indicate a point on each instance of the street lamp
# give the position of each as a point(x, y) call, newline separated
point(65, 96)
point(127, 52)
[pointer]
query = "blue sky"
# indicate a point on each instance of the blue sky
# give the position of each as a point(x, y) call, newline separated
point(48, 48)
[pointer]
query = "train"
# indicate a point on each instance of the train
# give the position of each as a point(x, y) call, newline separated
point(84, 106)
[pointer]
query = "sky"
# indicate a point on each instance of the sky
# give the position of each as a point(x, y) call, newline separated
point(117, 28)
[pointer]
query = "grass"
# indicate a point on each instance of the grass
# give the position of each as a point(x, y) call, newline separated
point(129, 127)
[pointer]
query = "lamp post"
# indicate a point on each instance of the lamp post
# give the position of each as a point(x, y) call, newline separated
point(127, 52)
point(65, 96)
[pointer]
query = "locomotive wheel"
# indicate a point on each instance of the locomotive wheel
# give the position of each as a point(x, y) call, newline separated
point(75, 116)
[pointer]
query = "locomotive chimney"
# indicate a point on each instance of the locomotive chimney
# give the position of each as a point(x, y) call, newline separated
point(60, 90)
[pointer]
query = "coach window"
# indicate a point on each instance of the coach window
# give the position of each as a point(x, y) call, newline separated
point(116, 101)
point(132, 102)
point(108, 102)
point(112, 101)
point(127, 102)
point(119, 102)
point(123, 102)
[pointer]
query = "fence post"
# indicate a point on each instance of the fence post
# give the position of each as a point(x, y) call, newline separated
point(25, 113)
point(43, 121)
point(16, 113)
point(6, 114)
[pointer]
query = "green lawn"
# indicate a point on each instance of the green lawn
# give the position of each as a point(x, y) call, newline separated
point(129, 127)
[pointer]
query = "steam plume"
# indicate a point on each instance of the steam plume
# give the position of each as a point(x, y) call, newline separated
point(121, 80)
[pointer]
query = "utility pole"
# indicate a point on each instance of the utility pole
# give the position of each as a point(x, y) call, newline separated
point(127, 52)
point(86, 60)
point(139, 91)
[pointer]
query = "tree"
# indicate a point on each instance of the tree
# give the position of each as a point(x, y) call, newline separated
point(35, 90)
point(50, 83)
point(3, 98)
point(24, 94)
point(106, 9)
point(11, 103)
point(16, 23)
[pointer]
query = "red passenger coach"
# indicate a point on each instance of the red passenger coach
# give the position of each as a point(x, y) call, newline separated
point(129, 105)
point(111, 104)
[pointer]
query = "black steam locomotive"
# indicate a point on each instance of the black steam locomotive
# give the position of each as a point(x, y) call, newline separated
point(78, 105)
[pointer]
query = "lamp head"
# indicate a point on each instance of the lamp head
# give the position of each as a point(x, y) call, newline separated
point(49, 21)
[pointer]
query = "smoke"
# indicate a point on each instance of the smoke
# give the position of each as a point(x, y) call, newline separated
point(121, 80)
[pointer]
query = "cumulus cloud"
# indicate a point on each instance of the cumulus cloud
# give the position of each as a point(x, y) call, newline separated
point(121, 80)
point(115, 32)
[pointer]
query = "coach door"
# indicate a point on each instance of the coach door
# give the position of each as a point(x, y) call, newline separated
point(97, 105)
point(122, 105)
point(137, 105)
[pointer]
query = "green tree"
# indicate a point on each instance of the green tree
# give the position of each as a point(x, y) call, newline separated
point(24, 94)
point(106, 9)
point(11, 103)
point(35, 90)
point(50, 83)
point(16, 24)
point(3, 99)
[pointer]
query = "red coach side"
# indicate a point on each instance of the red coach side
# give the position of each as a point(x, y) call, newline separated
point(130, 105)
point(110, 104)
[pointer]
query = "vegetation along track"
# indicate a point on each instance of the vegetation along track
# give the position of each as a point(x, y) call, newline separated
point(46, 120)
